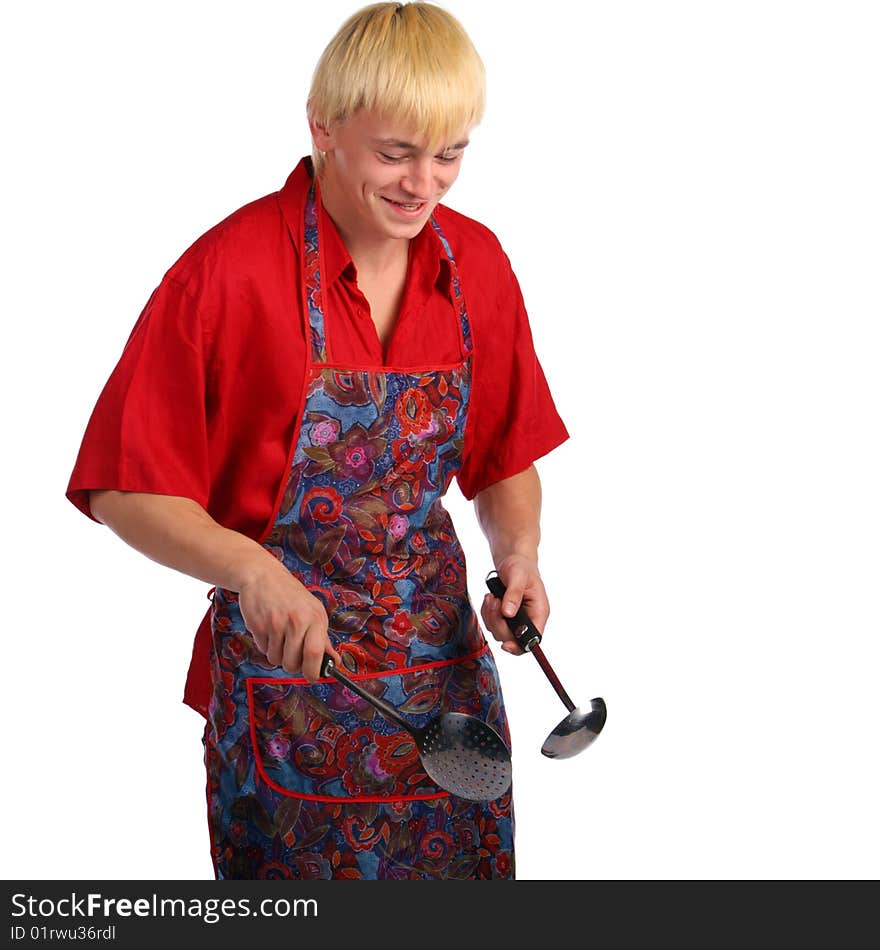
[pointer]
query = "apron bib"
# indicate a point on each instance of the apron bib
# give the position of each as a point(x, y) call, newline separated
point(308, 780)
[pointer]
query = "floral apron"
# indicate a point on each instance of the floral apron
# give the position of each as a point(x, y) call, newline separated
point(308, 780)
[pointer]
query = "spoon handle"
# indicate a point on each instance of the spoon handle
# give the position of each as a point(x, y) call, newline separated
point(529, 637)
point(328, 668)
point(526, 633)
point(538, 654)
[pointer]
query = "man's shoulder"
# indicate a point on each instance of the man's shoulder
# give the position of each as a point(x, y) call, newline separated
point(247, 240)
point(472, 243)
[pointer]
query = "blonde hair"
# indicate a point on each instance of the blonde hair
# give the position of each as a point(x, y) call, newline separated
point(412, 62)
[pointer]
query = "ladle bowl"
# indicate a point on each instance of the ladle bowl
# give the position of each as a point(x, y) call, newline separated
point(578, 730)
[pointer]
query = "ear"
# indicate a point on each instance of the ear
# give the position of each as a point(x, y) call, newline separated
point(322, 136)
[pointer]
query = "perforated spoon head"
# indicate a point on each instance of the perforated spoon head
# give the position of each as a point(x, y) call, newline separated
point(465, 756)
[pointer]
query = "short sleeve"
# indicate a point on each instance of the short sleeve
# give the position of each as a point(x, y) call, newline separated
point(512, 420)
point(148, 430)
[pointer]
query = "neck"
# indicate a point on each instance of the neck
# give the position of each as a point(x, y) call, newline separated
point(371, 254)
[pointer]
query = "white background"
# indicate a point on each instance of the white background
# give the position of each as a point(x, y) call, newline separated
point(689, 194)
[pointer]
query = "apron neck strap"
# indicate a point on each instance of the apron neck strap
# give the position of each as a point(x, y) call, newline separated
point(313, 268)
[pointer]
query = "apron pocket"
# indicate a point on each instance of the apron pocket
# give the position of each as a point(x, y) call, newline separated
point(322, 742)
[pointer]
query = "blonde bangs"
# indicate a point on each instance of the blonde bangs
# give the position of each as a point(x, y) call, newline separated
point(412, 63)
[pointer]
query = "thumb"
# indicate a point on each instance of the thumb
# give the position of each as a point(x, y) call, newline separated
point(512, 597)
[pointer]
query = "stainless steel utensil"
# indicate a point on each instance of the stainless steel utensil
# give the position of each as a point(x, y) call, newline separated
point(462, 754)
point(579, 728)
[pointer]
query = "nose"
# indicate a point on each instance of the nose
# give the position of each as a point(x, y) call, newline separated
point(419, 178)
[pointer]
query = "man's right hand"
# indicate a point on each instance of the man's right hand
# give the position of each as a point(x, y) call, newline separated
point(287, 621)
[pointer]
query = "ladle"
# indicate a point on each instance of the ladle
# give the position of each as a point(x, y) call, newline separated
point(579, 728)
point(462, 754)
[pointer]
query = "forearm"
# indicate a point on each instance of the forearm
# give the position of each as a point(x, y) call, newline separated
point(509, 514)
point(180, 534)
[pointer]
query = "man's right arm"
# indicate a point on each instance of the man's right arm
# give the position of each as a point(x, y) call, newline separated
point(287, 621)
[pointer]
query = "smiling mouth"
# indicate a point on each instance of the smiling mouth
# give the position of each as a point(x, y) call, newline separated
point(406, 206)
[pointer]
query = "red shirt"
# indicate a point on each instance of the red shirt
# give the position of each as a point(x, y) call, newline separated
point(204, 400)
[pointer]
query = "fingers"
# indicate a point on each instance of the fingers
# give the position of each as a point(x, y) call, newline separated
point(275, 649)
point(304, 642)
point(293, 653)
point(491, 613)
point(512, 598)
point(299, 650)
point(288, 624)
point(524, 589)
point(316, 644)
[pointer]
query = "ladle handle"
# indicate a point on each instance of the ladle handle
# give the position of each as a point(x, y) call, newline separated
point(528, 637)
point(328, 668)
point(526, 633)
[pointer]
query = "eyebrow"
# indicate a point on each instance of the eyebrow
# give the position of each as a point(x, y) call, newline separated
point(396, 143)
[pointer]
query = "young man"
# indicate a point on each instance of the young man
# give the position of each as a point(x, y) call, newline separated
point(286, 416)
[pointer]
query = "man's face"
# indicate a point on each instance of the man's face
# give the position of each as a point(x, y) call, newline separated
point(388, 181)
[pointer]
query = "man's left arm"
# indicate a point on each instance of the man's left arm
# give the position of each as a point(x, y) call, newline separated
point(509, 514)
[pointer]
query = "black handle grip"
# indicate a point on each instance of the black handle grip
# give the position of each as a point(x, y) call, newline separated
point(526, 633)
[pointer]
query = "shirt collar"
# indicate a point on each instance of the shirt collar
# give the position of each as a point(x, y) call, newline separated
point(426, 249)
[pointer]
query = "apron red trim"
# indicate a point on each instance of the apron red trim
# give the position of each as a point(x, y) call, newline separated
point(376, 674)
point(302, 681)
point(339, 799)
point(208, 751)
point(390, 367)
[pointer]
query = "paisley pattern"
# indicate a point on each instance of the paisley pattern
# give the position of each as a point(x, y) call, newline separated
point(326, 742)
point(308, 780)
